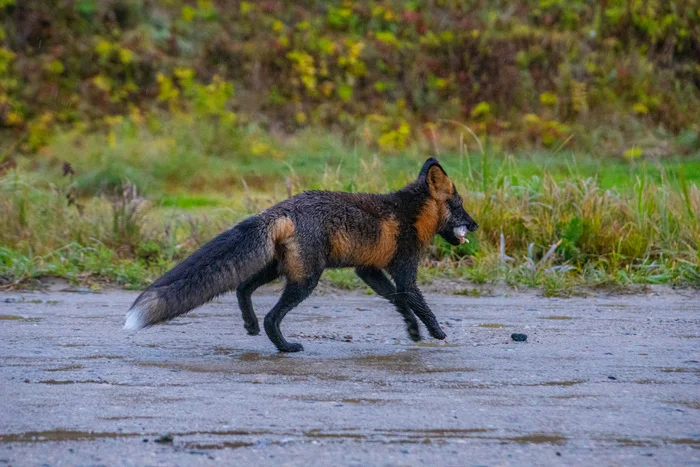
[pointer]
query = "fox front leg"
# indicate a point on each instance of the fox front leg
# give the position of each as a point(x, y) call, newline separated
point(381, 284)
point(407, 293)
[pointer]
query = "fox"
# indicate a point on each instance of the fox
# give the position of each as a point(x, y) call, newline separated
point(301, 236)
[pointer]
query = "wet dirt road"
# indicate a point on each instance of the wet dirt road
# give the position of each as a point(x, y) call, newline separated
point(600, 380)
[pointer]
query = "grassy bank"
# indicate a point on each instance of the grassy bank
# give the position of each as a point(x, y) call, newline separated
point(125, 206)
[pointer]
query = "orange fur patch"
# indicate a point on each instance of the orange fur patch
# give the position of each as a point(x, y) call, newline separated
point(282, 229)
point(282, 236)
point(292, 262)
point(439, 184)
point(430, 217)
point(346, 248)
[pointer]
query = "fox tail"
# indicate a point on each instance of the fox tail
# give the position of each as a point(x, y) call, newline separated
point(218, 267)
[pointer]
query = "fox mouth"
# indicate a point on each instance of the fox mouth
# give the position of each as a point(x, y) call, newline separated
point(461, 233)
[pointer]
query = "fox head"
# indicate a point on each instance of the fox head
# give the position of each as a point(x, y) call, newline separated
point(454, 221)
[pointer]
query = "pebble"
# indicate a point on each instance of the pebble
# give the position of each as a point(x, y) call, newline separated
point(518, 337)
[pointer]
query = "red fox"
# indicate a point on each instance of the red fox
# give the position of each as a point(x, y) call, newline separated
point(301, 236)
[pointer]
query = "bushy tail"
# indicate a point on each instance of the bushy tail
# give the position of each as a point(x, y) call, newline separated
point(218, 267)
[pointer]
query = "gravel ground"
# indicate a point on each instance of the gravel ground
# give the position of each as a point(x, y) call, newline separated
point(609, 381)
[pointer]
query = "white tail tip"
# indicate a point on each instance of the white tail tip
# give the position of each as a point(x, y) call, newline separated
point(135, 319)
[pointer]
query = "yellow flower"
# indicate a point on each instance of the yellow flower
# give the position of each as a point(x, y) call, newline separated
point(188, 13)
point(548, 98)
point(640, 108)
point(126, 56)
point(103, 48)
point(14, 118)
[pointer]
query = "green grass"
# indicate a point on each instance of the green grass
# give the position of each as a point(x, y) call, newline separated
point(559, 221)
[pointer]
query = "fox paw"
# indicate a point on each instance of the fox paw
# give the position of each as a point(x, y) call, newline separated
point(253, 329)
point(291, 347)
point(438, 334)
point(414, 335)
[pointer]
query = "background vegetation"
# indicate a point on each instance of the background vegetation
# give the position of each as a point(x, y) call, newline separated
point(131, 132)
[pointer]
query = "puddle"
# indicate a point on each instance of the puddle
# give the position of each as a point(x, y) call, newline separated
point(695, 443)
point(572, 396)
point(646, 443)
point(559, 383)
point(435, 345)
point(56, 382)
point(402, 362)
point(59, 435)
point(223, 350)
point(491, 326)
point(257, 357)
point(680, 370)
point(440, 432)
point(324, 434)
point(346, 400)
point(651, 381)
point(405, 435)
point(538, 439)
point(689, 404)
point(560, 318)
point(65, 368)
point(635, 443)
point(135, 417)
point(19, 318)
point(223, 445)
point(185, 367)
point(331, 369)
point(362, 401)
point(97, 357)
point(427, 436)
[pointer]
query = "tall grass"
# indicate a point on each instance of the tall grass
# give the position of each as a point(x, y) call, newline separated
point(125, 213)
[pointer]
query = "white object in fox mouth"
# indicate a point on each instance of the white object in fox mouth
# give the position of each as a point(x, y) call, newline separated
point(461, 233)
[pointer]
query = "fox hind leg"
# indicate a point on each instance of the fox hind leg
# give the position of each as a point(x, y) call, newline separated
point(294, 293)
point(245, 291)
point(381, 284)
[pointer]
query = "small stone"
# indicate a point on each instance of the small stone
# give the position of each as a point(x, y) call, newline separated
point(518, 337)
point(164, 438)
point(612, 378)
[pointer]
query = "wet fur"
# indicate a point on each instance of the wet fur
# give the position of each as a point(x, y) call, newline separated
point(303, 235)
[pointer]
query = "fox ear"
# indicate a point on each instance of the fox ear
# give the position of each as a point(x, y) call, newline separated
point(439, 184)
point(426, 166)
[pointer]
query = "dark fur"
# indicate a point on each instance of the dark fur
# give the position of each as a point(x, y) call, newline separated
point(300, 237)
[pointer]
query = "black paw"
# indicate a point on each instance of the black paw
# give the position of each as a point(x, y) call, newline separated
point(414, 334)
point(438, 333)
point(291, 347)
point(253, 330)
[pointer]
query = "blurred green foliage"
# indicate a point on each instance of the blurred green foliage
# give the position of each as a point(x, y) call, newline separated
point(525, 71)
